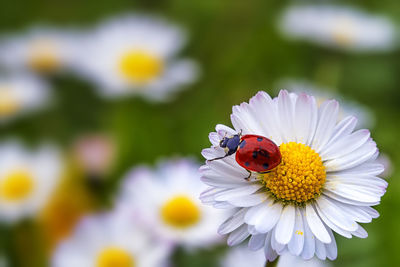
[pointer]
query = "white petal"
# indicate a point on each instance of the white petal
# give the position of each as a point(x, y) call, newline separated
point(334, 227)
point(347, 200)
point(228, 167)
point(365, 168)
point(331, 248)
point(278, 247)
point(267, 114)
point(360, 232)
point(223, 130)
point(357, 157)
point(352, 192)
point(309, 240)
point(372, 212)
point(249, 200)
point(296, 243)
point(270, 254)
point(233, 193)
point(214, 138)
point(320, 250)
point(327, 116)
point(286, 113)
point(343, 128)
point(232, 222)
point(305, 119)
point(334, 214)
point(284, 228)
point(268, 217)
point(238, 236)
point(257, 241)
point(316, 226)
point(212, 153)
point(345, 145)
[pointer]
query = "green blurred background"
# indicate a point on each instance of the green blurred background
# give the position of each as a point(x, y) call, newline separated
point(240, 51)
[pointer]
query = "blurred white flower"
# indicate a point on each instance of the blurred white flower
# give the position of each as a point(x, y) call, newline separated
point(365, 116)
point(27, 179)
point(110, 240)
point(20, 94)
point(136, 55)
point(338, 27)
point(39, 49)
point(166, 200)
point(242, 256)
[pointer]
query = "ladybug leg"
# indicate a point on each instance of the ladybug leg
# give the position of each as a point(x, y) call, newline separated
point(248, 177)
point(218, 158)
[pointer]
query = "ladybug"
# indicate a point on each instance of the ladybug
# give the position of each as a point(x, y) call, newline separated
point(255, 153)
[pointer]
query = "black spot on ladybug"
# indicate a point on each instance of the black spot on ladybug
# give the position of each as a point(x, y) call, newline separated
point(265, 165)
point(247, 164)
point(255, 153)
point(259, 139)
point(242, 144)
point(264, 153)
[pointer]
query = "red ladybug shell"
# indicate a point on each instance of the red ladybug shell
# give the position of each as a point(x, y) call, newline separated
point(257, 153)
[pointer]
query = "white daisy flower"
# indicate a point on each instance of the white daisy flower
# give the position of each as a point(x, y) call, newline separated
point(40, 49)
point(20, 94)
point(241, 256)
point(166, 200)
point(27, 179)
point(327, 179)
point(338, 27)
point(364, 115)
point(136, 55)
point(110, 241)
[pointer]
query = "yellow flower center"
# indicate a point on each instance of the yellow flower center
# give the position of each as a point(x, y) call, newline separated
point(43, 56)
point(8, 103)
point(115, 257)
point(140, 66)
point(343, 32)
point(300, 176)
point(180, 212)
point(17, 185)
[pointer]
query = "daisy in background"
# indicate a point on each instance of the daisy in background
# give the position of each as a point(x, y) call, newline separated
point(241, 256)
point(27, 179)
point(327, 179)
point(365, 116)
point(166, 202)
point(110, 240)
point(40, 49)
point(338, 27)
point(136, 55)
point(20, 94)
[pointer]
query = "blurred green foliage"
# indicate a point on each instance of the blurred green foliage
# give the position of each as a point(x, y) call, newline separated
point(240, 52)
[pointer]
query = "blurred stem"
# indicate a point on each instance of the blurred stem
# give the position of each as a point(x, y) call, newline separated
point(272, 263)
point(7, 248)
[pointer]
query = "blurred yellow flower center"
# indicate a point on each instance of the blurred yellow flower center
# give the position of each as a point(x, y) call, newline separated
point(16, 185)
point(8, 103)
point(180, 212)
point(299, 177)
point(43, 56)
point(115, 257)
point(343, 33)
point(140, 66)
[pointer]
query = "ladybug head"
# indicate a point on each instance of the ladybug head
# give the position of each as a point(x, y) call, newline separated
point(230, 144)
